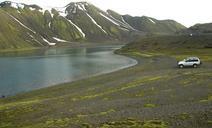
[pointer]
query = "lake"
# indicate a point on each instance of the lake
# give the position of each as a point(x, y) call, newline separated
point(22, 72)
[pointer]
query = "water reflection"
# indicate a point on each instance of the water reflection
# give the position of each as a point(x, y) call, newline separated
point(38, 69)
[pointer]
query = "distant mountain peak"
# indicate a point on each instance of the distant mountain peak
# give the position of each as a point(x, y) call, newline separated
point(19, 5)
point(77, 21)
point(73, 7)
point(12, 4)
point(79, 3)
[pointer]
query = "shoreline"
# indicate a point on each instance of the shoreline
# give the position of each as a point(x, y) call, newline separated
point(154, 91)
point(92, 45)
point(69, 44)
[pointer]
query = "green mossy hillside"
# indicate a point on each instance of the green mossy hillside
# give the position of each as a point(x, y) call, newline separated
point(151, 25)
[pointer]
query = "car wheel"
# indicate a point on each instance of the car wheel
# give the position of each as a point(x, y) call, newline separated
point(181, 66)
point(195, 65)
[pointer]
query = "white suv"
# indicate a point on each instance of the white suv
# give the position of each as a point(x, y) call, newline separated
point(190, 62)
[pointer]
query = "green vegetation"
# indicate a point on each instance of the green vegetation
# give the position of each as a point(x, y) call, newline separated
point(132, 123)
point(146, 92)
point(103, 101)
point(10, 28)
point(149, 105)
point(151, 25)
point(199, 29)
point(10, 110)
point(209, 122)
point(209, 99)
point(115, 15)
point(184, 116)
point(178, 46)
point(29, 26)
point(62, 28)
point(154, 92)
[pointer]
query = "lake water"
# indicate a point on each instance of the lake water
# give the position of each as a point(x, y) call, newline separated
point(21, 72)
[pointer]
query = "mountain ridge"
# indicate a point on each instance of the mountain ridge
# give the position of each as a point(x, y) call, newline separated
point(198, 29)
point(34, 26)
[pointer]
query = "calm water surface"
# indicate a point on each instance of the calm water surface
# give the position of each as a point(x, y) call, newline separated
point(29, 71)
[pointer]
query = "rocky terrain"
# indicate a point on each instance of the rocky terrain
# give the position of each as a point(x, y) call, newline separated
point(153, 94)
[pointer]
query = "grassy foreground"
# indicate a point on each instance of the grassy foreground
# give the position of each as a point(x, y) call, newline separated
point(152, 94)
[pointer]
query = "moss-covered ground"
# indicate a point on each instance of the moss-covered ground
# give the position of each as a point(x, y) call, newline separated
point(152, 94)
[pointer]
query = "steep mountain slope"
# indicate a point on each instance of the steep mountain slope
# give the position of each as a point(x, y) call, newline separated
point(151, 25)
point(119, 18)
point(28, 26)
point(13, 34)
point(78, 21)
point(33, 27)
point(95, 23)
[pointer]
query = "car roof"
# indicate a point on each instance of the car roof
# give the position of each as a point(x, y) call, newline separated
point(192, 58)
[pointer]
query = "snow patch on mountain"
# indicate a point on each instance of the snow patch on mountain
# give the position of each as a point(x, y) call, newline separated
point(73, 8)
point(81, 7)
point(124, 29)
point(32, 9)
point(112, 21)
point(16, 5)
point(49, 43)
point(152, 21)
point(59, 40)
point(74, 11)
point(124, 21)
point(79, 29)
point(96, 23)
point(62, 11)
point(52, 15)
point(21, 23)
point(46, 9)
point(49, 24)
point(127, 23)
point(121, 22)
point(33, 38)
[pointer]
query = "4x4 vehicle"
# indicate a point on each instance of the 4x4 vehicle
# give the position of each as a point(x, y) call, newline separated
point(190, 62)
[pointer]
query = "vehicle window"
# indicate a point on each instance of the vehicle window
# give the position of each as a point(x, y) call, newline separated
point(194, 60)
point(191, 60)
